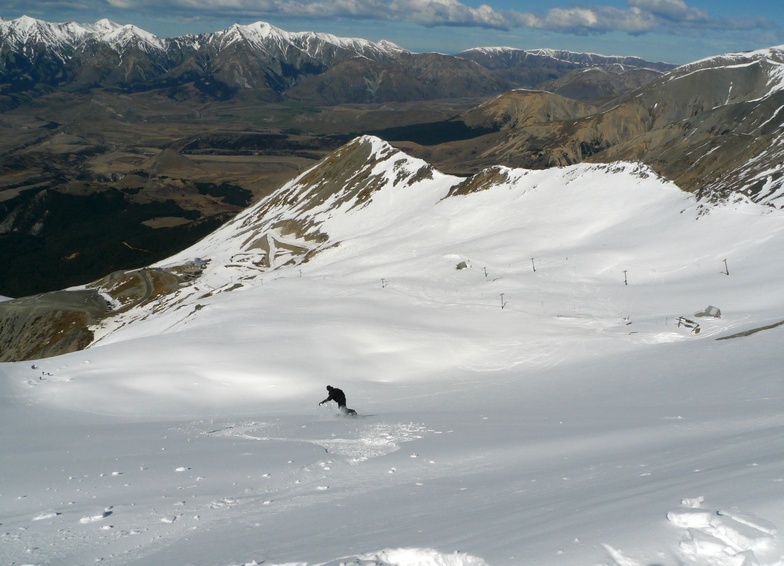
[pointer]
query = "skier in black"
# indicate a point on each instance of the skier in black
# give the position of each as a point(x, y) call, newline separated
point(338, 397)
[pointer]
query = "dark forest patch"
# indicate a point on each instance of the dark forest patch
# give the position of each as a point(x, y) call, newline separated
point(432, 133)
point(230, 194)
point(59, 240)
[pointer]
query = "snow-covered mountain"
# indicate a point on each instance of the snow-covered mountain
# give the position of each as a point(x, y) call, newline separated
point(366, 188)
point(538, 377)
point(497, 57)
point(25, 33)
point(266, 57)
point(277, 42)
point(36, 55)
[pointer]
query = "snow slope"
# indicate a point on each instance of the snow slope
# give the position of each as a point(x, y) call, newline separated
point(541, 407)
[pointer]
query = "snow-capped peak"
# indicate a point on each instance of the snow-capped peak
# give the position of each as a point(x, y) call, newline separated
point(352, 43)
point(62, 36)
point(259, 32)
point(25, 24)
point(259, 35)
point(270, 39)
point(121, 37)
point(58, 37)
point(105, 25)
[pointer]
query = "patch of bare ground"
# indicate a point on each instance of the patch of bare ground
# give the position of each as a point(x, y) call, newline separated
point(48, 325)
point(133, 288)
point(165, 222)
point(56, 323)
point(481, 181)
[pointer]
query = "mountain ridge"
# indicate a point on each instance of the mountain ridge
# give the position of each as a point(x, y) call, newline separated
point(37, 55)
point(584, 58)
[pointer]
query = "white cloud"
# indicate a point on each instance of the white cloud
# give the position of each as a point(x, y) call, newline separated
point(598, 20)
point(638, 17)
point(423, 12)
point(445, 12)
point(573, 17)
point(672, 10)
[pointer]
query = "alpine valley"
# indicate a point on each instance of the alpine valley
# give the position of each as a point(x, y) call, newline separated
point(153, 143)
point(548, 283)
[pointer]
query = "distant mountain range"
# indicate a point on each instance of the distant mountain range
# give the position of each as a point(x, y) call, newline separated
point(37, 57)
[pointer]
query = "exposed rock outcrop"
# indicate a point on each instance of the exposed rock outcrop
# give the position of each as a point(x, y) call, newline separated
point(48, 325)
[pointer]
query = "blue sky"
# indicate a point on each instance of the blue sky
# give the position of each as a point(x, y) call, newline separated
point(676, 31)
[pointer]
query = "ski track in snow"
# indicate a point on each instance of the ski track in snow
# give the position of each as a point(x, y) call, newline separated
point(394, 557)
point(708, 536)
point(362, 442)
point(331, 473)
point(371, 441)
point(131, 532)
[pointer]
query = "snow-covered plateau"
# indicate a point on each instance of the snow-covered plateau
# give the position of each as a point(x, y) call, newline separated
point(538, 379)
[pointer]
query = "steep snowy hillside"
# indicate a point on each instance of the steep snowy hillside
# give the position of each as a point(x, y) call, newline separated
point(538, 379)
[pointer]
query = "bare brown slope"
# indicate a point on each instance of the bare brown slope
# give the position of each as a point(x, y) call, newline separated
point(522, 108)
point(713, 127)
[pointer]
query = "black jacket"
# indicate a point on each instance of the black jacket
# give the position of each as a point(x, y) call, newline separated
point(335, 395)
